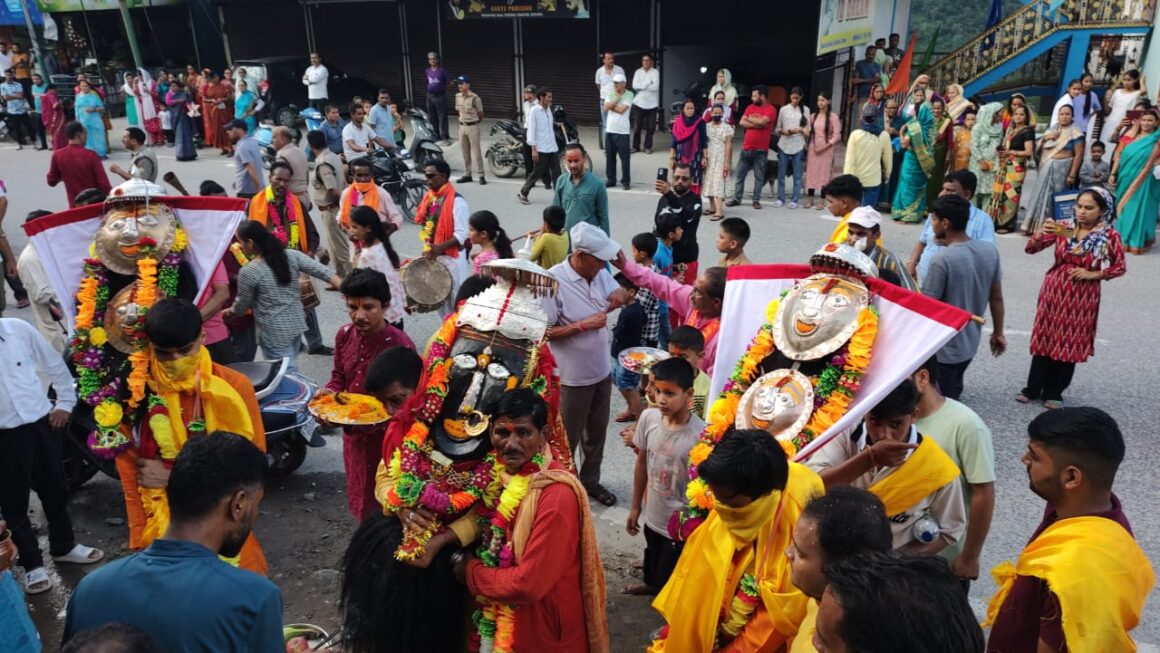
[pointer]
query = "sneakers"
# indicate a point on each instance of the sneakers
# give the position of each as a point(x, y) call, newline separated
point(482, 180)
point(465, 179)
point(793, 205)
point(523, 199)
point(777, 204)
point(321, 351)
point(610, 184)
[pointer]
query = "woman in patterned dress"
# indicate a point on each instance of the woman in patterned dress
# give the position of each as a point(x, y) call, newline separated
point(719, 153)
point(1018, 145)
point(1064, 334)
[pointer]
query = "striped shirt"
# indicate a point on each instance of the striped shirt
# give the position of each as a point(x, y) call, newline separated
point(540, 134)
point(277, 309)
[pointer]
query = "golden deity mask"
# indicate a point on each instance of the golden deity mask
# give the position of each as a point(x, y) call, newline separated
point(122, 313)
point(127, 227)
point(818, 315)
point(780, 403)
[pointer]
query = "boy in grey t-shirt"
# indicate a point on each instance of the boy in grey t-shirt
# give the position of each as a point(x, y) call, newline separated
point(664, 436)
point(966, 274)
point(247, 161)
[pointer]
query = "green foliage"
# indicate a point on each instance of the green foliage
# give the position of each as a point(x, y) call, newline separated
point(959, 20)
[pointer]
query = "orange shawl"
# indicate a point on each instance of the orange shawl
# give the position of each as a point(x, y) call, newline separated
point(445, 227)
point(260, 212)
point(368, 196)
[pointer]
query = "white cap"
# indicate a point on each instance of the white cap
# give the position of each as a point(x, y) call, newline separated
point(590, 239)
point(865, 216)
point(619, 78)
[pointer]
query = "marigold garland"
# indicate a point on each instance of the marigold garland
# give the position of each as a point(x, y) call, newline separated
point(740, 610)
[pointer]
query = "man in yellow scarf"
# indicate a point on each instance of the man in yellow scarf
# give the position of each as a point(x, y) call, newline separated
point(1081, 582)
point(731, 590)
point(188, 395)
point(844, 522)
point(915, 479)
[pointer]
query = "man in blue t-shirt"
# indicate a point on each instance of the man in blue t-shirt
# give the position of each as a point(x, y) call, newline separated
point(179, 590)
point(381, 119)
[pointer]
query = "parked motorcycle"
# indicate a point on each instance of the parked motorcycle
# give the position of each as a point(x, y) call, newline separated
point(505, 157)
point(393, 172)
point(282, 398)
point(424, 145)
point(264, 134)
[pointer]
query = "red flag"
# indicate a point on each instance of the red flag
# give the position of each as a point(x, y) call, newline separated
point(900, 81)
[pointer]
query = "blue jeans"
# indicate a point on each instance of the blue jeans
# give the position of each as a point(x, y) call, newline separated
point(278, 353)
point(750, 160)
point(870, 196)
point(616, 145)
point(783, 163)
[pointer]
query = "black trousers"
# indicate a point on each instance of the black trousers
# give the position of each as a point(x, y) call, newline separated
point(437, 110)
point(950, 378)
point(30, 460)
point(616, 145)
point(319, 104)
point(1048, 378)
point(660, 558)
point(21, 126)
point(530, 165)
point(38, 129)
point(548, 165)
point(643, 120)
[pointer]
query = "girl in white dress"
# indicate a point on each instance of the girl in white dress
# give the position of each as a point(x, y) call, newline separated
point(1119, 103)
point(372, 249)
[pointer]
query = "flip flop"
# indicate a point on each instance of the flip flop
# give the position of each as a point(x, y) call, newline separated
point(1052, 404)
point(81, 555)
point(1022, 398)
point(602, 495)
point(638, 589)
point(717, 218)
point(37, 581)
point(625, 417)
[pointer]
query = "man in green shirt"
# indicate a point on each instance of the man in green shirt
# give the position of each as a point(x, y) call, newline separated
point(581, 193)
point(961, 433)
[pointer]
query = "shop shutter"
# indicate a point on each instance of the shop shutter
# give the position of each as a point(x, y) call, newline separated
point(482, 50)
point(561, 54)
point(422, 37)
point(264, 29)
point(362, 40)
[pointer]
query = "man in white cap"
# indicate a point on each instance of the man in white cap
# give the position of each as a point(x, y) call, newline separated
point(865, 232)
point(604, 75)
point(617, 127)
point(579, 337)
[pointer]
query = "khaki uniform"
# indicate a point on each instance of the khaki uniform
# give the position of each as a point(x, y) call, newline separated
point(470, 108)
point(328, 176)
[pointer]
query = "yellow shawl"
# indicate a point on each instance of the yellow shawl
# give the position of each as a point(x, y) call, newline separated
point(691, 601)
point(926, 470)
point(803, 642)
point(1096, 570)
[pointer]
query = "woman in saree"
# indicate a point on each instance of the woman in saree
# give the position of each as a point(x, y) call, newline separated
point(178, 101)
point(689, 141)
point(725, 83)
point(960, 157)
point(986, 136)
point(1061, 156)
point(91, 113)
point(217, 110)
point(1017, 100)
point(917, 96)
point(944, 139)
point(1018, 145)
point(245, 105)
point(956, 103)
point(54, 116)
point(1137, 188)
point(917, 139)
point(147, 107)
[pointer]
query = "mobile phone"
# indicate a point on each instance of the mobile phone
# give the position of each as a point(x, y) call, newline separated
point(662, 174)
point(1134, 115)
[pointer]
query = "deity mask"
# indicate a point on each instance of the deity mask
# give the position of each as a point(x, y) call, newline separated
point(131, 218)
point(818, 316)
point(780, 402)
point(123, 314)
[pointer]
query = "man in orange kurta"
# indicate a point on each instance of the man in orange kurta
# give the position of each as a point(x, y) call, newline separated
point(222, 398)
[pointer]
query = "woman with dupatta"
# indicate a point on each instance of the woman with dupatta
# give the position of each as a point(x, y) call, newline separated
point(725, 84)
point(147, 107)
point(1018, 145)
point(917, 139)
point(178, 101)
point(1086, 253)
point(917, 96)
point(986, 136)
point(245, 106)
point(689, 141)
point(91, 113)
point(1137, 188)
point(944, 138)
point(54, 116)
point(877, 100)
point(1062, 155)
point(956, 103)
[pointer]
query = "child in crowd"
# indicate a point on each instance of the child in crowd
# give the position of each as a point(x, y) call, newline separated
point(484, 231)
point(644, 246)
point(400, 134)
point(664, 436)
point(689, 343)
point(626, 334)
point(731, 242)
point(668, 231)
point(372, 249)
point(649, 387)
point(1095, 172)
point(551, 246)
point(393, 375)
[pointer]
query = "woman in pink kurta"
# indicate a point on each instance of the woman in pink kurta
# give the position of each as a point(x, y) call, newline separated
point(825, 133)
point(1086, 253)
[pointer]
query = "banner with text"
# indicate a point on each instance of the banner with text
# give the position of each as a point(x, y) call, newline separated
point(844, 24)
point(474, 9)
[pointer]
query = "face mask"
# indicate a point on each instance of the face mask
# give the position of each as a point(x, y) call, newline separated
point(860, 244)
point(178, 369)
point(717, 118)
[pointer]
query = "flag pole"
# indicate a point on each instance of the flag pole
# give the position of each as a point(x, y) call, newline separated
point(32, 36)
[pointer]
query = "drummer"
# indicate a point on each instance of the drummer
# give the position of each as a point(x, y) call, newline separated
point(367, 294)
point(443, 214)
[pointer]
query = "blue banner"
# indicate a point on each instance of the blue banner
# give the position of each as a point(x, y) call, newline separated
point(12, 14)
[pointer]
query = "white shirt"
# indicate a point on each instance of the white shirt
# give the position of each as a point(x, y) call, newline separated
point(583, 358)
point(315, 81)
point(528, 106)
point(647, 86)
point(5, 63)
point(540, 131)
point(790, 117)
point(604, 78)
point(24, 353)
point(361, 137)
point(619, 123)
point(1064, 101)
point(41, 295)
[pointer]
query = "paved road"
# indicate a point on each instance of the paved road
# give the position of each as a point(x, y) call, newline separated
point(1121, 378)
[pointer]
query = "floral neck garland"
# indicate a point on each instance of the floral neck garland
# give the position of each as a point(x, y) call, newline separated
point(99, 375)
point(495, 622)
point(430, 221)
point(834, 389)
point(740, 610)
point(288, 238)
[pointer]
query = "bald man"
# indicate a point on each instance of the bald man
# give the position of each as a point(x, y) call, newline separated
point(289, 152)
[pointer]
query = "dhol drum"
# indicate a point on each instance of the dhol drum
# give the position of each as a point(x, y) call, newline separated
point(428, 284)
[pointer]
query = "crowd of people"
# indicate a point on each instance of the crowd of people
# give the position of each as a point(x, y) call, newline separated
point(469, 493)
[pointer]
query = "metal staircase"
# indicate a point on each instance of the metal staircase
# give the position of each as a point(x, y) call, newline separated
point(1032, 30)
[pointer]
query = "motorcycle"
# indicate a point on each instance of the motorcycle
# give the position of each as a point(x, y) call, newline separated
point(393, 173)
point(312, 117)
point(282, 398)
point(505, 157)
point(264, 134)
point(424, 146)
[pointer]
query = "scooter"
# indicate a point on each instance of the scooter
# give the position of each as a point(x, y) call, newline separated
point(424, 146)
point(282, 398)
point(312, 117)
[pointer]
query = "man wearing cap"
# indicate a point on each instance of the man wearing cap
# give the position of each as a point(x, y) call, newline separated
point(437, 81)
point(604, 75)
point(864, 233)
point(577, 333)
point(617, 127)
point(470, 109)
point(248, 164)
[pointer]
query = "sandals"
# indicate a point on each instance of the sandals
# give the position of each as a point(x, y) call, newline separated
point(1022, 398)
point(757, 205)
point(37, 581)
point(625, 417)
point(733, 202)
point(81, 555)
point(717, 218)
point(1052, 404)
point(602, 495)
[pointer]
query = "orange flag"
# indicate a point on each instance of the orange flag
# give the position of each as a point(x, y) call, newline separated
point(900, 81)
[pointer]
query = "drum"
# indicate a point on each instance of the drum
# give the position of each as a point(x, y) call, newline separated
point(428, 284)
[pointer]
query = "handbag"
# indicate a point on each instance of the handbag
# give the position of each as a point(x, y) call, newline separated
point(310, 299)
